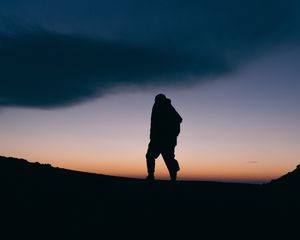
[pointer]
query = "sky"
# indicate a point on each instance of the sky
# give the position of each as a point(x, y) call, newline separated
point(78, 81)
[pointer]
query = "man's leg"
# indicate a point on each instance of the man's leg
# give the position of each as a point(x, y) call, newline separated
point(151, 155)
point(168, 154)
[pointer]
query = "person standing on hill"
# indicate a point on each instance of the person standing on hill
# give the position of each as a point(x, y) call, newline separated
point(165, 127)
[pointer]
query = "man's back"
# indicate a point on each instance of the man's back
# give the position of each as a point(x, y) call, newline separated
point(165, 121)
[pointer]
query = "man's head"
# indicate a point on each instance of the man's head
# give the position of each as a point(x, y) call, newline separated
point(160, 98)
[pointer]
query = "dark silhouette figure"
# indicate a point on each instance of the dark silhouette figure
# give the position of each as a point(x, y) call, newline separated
point(165, 127)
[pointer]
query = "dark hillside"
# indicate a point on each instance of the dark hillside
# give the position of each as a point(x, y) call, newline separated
point(42, 201)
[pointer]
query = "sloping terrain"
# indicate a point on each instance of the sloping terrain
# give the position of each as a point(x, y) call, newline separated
point(45, 202)
point(291, 179)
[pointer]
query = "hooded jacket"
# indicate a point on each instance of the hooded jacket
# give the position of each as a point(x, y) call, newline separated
point(165, 122)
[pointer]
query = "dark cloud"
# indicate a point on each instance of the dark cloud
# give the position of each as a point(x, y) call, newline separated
point(131, 42)
point(44, 69)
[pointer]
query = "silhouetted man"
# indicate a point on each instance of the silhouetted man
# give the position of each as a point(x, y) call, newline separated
point(165, 127)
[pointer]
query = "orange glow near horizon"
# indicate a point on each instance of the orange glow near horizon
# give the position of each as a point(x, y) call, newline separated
point(136, 168)
point(218, 142)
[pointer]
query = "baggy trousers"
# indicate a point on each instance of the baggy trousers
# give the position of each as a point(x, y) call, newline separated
point(167, 150)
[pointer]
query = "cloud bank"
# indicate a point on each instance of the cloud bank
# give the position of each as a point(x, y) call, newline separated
point(163, 44)
point(44, 69)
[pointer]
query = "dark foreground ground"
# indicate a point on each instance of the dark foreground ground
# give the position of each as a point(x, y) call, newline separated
point(39, 201)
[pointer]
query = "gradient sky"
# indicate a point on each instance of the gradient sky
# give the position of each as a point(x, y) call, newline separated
point(78, 79)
